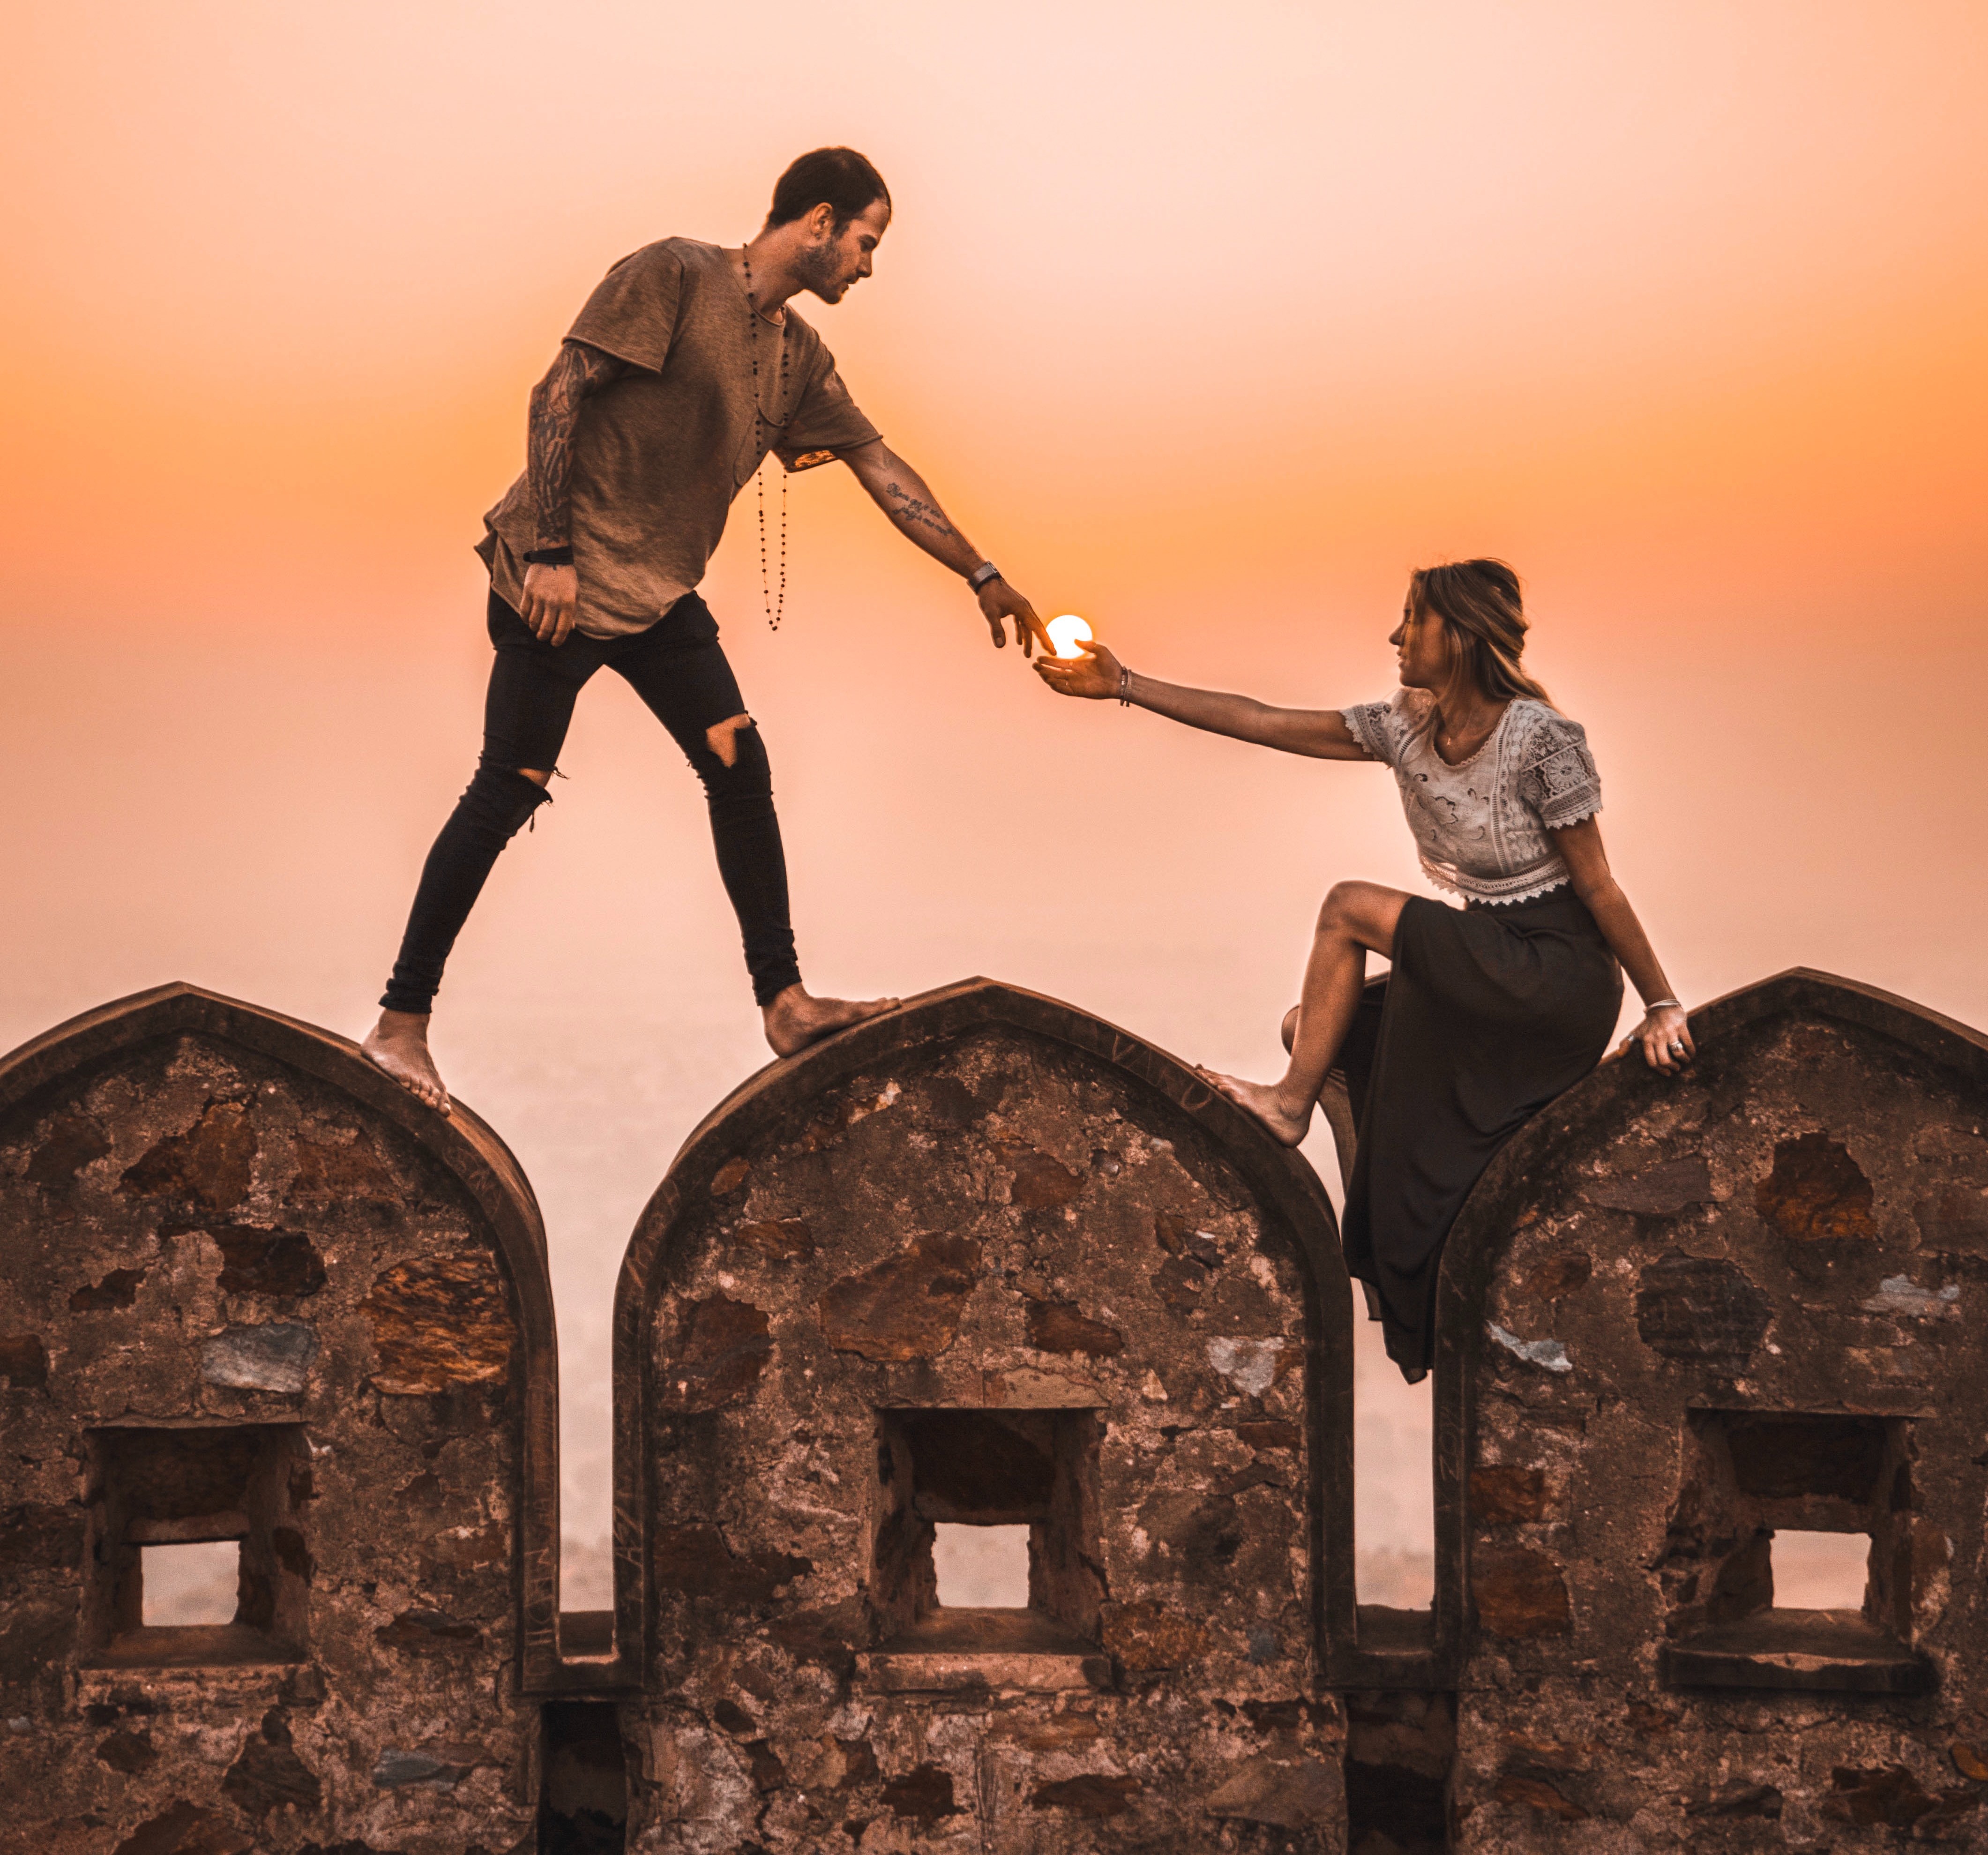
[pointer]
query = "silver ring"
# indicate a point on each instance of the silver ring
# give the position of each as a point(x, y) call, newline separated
point(1677, 1050)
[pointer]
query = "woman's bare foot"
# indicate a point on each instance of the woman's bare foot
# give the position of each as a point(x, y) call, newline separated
point(399, 1045)
point(794, 1020)
point(1266, 1102)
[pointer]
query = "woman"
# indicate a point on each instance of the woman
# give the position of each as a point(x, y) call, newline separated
point(1488, 1011)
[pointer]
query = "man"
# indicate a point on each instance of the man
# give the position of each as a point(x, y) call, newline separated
point(684, 368)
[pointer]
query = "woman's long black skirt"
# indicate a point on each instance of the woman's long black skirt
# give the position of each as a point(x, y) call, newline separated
point(1488, 1012)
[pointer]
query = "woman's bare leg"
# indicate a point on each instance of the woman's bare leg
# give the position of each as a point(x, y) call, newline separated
point(1357, 917)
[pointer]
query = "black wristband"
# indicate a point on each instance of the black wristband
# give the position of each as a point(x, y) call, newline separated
point(549, 557)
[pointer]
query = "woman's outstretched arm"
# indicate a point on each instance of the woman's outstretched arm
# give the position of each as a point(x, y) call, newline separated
point(1321, 734)
point(1664, 1033)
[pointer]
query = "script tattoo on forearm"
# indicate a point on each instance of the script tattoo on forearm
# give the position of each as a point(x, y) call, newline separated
point(915, 511)
point(576, 372)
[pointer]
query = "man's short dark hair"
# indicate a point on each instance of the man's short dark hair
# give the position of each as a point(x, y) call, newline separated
point(840, 176)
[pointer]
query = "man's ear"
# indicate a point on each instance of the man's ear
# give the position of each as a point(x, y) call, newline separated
point(821, 222)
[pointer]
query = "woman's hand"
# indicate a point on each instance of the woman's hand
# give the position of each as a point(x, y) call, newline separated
point(1093, 676)
point(1665, 1035)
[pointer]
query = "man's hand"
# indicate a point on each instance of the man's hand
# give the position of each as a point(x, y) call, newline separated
point(550, 596)
point(1000, 600)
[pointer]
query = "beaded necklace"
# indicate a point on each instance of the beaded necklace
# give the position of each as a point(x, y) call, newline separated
point(774, 601)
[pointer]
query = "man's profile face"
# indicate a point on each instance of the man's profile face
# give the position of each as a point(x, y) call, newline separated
point(828, 268)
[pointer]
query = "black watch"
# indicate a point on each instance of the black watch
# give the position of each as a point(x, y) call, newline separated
point(549, 557)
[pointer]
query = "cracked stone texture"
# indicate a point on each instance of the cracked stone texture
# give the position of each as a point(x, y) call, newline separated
point(1717, 1245)
point(996, 1223)
point(198, 1234)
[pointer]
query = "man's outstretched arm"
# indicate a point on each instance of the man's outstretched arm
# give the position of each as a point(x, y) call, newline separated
point(577, 371)
point(902, 494)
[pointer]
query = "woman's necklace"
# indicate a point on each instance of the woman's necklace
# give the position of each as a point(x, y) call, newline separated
point(775, 602)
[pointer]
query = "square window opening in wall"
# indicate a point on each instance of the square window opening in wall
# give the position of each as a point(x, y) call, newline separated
point(198, 1582)
point(986, 1530)
point(1789, 1560)
point(195, 1545)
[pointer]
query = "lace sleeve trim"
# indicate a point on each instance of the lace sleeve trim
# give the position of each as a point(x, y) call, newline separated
point(1371, 726)
point(1559, 780)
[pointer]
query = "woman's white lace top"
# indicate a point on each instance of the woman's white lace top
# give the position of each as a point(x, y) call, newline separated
point(1482, 827)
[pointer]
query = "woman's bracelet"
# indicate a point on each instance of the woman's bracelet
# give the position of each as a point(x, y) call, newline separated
point(1657, 1004)
point(1124, 687)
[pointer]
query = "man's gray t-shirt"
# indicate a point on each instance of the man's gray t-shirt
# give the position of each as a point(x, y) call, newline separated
point(659, 454)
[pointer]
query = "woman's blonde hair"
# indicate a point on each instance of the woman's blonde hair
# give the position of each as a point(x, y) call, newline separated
point(1480, 603)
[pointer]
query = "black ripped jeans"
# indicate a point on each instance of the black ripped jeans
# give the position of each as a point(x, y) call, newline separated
point(677, 667)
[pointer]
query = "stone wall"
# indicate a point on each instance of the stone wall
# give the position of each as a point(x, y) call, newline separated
point(241, 1301)
point(989, 1263)
point(1679, 1316)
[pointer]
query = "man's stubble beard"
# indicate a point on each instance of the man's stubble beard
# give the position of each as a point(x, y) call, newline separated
point(820, 272)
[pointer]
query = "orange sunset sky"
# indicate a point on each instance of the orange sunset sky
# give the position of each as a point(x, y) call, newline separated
point(1208, 323)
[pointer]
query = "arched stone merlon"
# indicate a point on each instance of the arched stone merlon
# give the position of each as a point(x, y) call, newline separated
point(1678, 1318)
point(1279, 1186)
point(63, 1062)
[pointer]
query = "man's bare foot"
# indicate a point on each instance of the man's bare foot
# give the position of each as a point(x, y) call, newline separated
point(1265, 1102)
point(794, 1020)
point(399, 1045)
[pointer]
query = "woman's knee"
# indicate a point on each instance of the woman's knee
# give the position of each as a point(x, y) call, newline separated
point(1342, 904)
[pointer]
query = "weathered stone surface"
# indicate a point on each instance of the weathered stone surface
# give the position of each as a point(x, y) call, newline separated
point(1285, 1793)
point(1662, 1190)
point(1091, 1794)
point(779, 1239)
point(24, 1361)
point(1775, 1336)
point(437, 1322)
point(274, 1356)
point(185, 1829)
point(195, 1226)
point(1035, 1292)
point(1815, 1190)
point(1954, 1221)
point(1056, 1327)
point(1519, 1594)
point(276, 1263)
point(206, 1166)
point(922, 1795)
point(118, 1289)
point(907, 1306)
point(1508, 1497)
point(1701, 1310)
point(720, 1347)
point(268, 1775)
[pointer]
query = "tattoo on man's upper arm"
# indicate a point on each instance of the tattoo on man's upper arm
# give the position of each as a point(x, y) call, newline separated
point(577, 372)
point(916, 510)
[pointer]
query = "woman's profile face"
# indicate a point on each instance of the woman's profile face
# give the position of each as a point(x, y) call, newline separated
point(1421, 645)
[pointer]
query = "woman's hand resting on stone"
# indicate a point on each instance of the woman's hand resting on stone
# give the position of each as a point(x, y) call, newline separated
point(1094, 676)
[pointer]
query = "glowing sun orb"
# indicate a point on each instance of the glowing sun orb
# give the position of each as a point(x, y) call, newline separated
point(1069, 634)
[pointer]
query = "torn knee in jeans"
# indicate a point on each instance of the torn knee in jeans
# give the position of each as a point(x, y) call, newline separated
point(722, 737)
